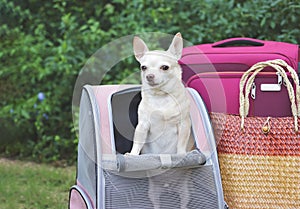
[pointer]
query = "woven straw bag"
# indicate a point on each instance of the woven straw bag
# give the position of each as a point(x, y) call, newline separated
point(260, 156)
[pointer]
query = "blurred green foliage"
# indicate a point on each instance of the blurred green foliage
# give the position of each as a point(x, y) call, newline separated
point(44, 45)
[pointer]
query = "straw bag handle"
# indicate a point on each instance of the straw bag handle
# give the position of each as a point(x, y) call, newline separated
point(278, 65)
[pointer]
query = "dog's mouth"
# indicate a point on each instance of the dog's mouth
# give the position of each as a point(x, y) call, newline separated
point(152, 83)
point(156, 84)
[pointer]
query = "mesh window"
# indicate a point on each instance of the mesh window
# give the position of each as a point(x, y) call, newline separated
point(195, 188)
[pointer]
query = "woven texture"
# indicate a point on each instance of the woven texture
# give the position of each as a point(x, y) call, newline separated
point(260, 156)
point(258, 170)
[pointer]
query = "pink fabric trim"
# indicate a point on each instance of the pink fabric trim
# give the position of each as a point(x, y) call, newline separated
point(198, 126)
point(86, 193)
point(102, 94)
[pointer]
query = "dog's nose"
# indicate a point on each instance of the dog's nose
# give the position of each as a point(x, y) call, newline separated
point(150, 77)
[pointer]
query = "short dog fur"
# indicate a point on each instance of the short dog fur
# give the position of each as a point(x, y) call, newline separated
point(164, 125)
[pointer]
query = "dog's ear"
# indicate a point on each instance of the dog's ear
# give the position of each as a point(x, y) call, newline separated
point(176, 46)
point(139, 48)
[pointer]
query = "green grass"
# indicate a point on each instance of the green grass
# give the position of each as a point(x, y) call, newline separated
point(26, 185)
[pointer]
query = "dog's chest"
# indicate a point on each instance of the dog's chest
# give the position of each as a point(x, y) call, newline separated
point(165, 108)
point(163, 103)
point(164, 112)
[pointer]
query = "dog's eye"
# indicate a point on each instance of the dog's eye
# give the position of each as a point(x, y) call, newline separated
point(164, 67)
point(143, 68)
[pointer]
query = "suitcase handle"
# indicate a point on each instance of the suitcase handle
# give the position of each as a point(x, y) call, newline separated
point(238, 41)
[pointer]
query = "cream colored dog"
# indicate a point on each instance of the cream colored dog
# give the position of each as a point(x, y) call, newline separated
point(164, 125)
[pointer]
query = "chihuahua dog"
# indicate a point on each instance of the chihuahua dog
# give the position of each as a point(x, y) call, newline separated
point(164, 125)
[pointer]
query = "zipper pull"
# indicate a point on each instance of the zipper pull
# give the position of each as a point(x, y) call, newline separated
point(279, 78)
point(253, 90)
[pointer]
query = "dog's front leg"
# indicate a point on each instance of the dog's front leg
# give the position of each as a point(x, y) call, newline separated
point(184, 131)
point(140, 136)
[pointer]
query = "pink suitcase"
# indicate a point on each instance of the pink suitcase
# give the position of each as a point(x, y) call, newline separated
point(220, 92)
point(214, 70)
point(234, 55)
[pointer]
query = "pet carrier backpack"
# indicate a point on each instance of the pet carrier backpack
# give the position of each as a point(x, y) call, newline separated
point(106, 178)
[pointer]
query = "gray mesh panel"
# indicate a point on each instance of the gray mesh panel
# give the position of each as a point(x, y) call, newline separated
point(86, 171)
point(171, 189)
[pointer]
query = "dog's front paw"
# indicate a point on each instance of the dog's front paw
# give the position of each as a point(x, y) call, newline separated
point(181, 151)
point(130, 154)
